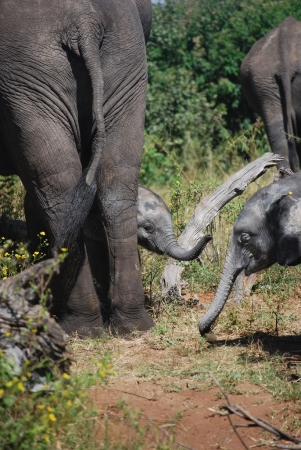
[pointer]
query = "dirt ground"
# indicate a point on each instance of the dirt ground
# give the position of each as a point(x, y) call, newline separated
point(157, 411)
point(187, 415)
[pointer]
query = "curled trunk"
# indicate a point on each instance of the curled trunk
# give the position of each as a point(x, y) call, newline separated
point(228, 277)
point(173, 249)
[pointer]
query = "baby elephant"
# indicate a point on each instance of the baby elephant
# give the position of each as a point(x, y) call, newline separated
point(268, 230)
point(155, 231)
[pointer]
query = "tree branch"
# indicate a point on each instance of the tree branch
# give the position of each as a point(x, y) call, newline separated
point(207, 209)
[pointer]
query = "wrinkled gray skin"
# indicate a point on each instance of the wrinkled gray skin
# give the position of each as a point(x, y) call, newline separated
point(73, 80)
point(155, 230)
point(268, 230)
point(270, 77)
point(155, 233)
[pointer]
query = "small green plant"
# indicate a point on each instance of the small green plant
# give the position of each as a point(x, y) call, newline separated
point(56, 413)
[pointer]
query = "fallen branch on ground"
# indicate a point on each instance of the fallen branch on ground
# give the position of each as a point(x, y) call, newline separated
point(27, 332)
point(255, 422)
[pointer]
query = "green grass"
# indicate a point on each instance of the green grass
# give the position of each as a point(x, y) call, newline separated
point(255, 341)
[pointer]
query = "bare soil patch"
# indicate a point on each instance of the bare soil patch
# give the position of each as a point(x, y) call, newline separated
point(162, 398)
point(182, 412)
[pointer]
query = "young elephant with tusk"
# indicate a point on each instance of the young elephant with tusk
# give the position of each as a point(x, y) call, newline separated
point(268, 230)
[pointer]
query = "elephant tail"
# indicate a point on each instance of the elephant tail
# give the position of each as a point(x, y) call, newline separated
point(287, 116)
point(81, 198)
point(287, 94)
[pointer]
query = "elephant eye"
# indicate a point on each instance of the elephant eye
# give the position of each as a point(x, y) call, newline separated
point(148, 226)
point(244, 238)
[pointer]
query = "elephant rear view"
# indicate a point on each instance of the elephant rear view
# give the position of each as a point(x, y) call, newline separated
point(73, 83)
point(270, 77)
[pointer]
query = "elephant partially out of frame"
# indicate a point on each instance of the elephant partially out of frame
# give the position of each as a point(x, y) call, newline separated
point(267, 230)
point(270, 77)
point(73, 79)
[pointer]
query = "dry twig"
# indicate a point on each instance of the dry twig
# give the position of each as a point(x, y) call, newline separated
point(255, 422)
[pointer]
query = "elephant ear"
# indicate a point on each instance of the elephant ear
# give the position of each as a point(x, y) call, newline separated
point(288, 230)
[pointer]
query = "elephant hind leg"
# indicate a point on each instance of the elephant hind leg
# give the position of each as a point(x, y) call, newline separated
point(49, 176)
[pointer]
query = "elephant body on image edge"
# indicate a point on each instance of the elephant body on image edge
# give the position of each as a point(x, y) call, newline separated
point(270, 77)
point(267, 230)
point(73, 80)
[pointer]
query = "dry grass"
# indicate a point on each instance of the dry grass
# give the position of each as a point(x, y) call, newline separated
point(248, 358)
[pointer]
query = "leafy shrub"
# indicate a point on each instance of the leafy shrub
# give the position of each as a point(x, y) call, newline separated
point(194, 98)
point(56, 415)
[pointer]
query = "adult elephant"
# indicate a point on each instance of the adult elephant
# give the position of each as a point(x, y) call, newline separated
point(268, 230)
point(154, 231)
point(73, 80)
point(270, 77)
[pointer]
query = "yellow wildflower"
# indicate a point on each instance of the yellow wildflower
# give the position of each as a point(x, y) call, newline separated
point(102, 373)
point(20, 387)
point(49, 409)
point(40, 406)
point(7, 334)
point(23, 256)
point(46, 438)
point(69, 403)
point(4, 278)
point(42, 233)
point(9, 384)
point(290, 192)
point(52, 417)
point(1, 392)
point(64, 249)
point(6, 254)
point(30, 319)
point(3, 237)
point(65, 376)
point(36, 253)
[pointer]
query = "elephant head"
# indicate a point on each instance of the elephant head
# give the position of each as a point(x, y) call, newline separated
point(155, 231)
point(268, 230)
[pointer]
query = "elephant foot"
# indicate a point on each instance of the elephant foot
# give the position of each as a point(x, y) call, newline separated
point(82, 327)
point(123, 325)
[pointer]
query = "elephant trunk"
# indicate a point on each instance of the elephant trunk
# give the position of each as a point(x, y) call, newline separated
point(229, 275)
point(172, 249)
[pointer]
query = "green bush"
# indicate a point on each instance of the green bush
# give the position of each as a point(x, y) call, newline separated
point(56, 415)
point(194, 101)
